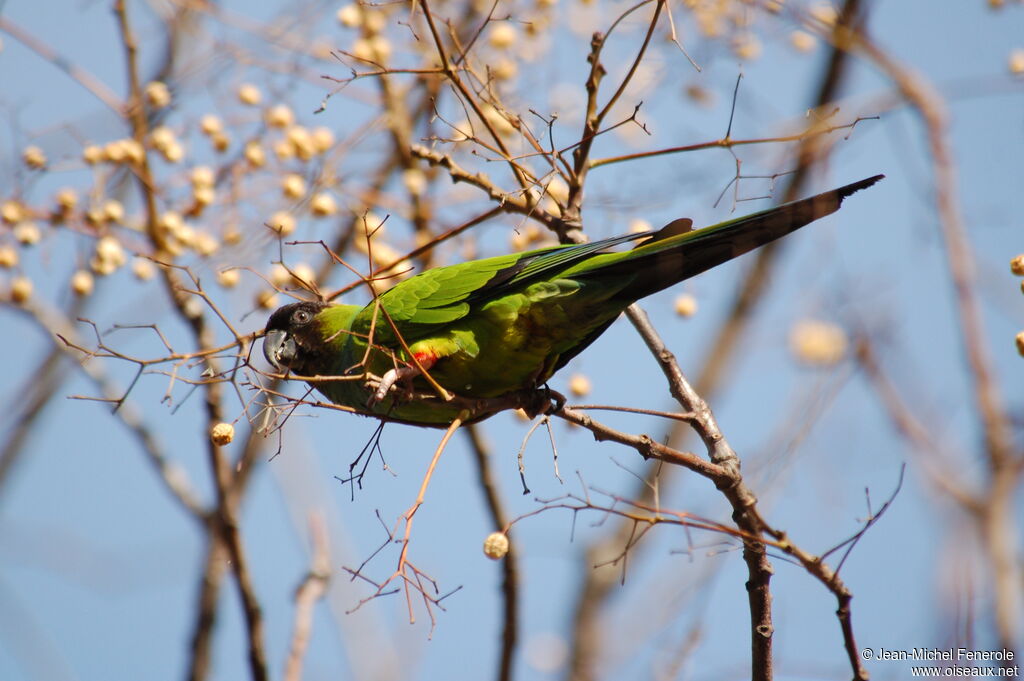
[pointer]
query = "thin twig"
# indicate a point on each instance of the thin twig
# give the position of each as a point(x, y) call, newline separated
point(509, 564)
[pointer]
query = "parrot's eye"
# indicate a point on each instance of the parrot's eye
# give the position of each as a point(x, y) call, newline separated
point(301, 317)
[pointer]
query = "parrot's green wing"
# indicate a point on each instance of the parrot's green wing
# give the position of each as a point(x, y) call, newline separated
point(446, 294)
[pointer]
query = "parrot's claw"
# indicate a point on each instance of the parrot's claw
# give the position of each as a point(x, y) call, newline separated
point(388, 380)
point(541, 402)
point(559, 399)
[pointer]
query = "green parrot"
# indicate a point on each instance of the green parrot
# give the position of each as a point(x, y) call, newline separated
point(492, 328)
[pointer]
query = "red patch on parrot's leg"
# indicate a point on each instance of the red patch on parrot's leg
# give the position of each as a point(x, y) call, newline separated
point(425, 358)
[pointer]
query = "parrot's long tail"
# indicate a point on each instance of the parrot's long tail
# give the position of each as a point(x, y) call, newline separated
point(669, 256)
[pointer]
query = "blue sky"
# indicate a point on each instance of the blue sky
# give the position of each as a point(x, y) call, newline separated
point(99, 567)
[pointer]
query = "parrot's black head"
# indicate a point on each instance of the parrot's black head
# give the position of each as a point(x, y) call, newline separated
point(293, 338)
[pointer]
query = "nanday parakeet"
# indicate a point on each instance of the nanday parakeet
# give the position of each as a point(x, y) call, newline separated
point(488, 328)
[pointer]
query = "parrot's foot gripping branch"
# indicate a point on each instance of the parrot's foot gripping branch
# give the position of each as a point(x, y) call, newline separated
point(388, 380)
point(405, 374)
point(541, 402)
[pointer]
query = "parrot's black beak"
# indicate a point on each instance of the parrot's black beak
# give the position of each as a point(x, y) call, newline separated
point(279, 348)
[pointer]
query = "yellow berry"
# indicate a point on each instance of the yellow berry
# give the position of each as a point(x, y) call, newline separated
point(108, 249)
point(114, 152)
point(282, 222)
point(143, 269)
point(350, 16)
point(193, 308)
point(221, 141)
point(372, 225)
point(21, 289)
point(162, 137)
point(579, 385)
point(12, 212)
point(1016, 62)
point(185, 234)
point(228, 278)
point(205, 244)
point(203, 196)
point(302, 142)
point(284, 150)
point(362, 50)
point(95, 216)
point(171, 221)
point(323, 205)
point(157, 94)
point(67, 199)
point(686, 305)
point(102, 267)
point(279, 275)
point(503, 35)
point(802, 41)
point(1020, 343)
point(825, 13)
point(747, 47)
point(415, 181)
point(518, 241)
point(266, 299)
point(374, 20)
point(540, 25)
point(34, 157)
point(505, 69)
point(323, 139)
point(279, 116)
point(496, 545)
point(8, 256)
point(294, 186)
point(818, 343)
point(249, 94)
point(639, 226)
point(1017, 265)
point(222, 434)
point(255, 155)
point(299, 135)
point(303, 275)
point(27, 233)
point(210, 124)
point(92, 154)
point(558, 189)
point(82, 283)
point(203, 176)
point(131, 150)
point(498, 121)
point(174, 152)
point(461, 131)
point(113, 210)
